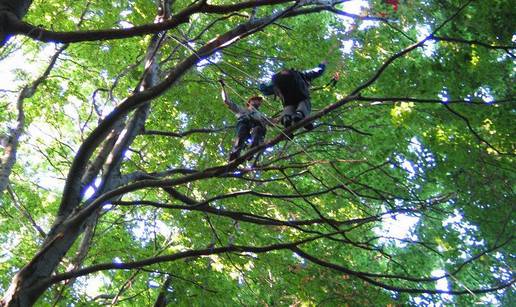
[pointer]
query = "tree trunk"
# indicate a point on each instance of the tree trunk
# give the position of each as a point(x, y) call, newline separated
point(17, 7)
point(74, 213)
point(27, 285)
point(11, 10)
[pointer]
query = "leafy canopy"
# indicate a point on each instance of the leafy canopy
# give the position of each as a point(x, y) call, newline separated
point(403, 193)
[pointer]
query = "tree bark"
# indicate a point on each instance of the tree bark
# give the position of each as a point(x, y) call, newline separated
point(10, 11)
point(74, 213)
point(17, 7)
point(161, 300)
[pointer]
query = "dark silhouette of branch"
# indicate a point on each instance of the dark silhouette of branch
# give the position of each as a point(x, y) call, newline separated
point(186, 133)
point(333, 127)
point(71, 193)
point(466, 120)
point(379, 100)
point(405, 51)
point(16, 26)
point(506, 48)
point(485, 252)
point(161, 300)
point(368, 277)
point(252, 218)
point(168, 258)
point(356, 93)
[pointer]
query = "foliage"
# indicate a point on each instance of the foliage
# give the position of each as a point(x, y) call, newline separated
point(404, 191)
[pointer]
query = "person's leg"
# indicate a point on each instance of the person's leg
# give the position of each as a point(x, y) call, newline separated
point(303, 110)
point(307, 107)
point(258, 135)
point(243, 129)
point(288, 112)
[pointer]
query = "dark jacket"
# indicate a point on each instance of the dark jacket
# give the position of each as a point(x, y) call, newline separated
point(308, 75)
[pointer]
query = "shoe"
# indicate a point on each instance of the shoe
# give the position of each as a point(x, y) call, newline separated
point(298, 116)
point(286, 120)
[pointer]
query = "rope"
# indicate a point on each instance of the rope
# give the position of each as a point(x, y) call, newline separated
point(270, 123)
point(242, 97)
point(252, 78)
point(288, 137)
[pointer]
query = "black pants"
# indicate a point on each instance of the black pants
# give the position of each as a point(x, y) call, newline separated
point(246, 128)
point(293, 113)
point(303, 107)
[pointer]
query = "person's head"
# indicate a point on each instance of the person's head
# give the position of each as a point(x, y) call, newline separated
point(255, 102)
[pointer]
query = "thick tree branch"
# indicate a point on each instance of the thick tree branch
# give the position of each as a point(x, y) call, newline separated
point(161, 300)
point(254, 218)
point(71, 193)
point(15, 26)
point(215, 171)
point(186, 133)
point(168, 258)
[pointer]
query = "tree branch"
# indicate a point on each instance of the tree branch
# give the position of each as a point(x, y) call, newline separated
point(473, 130)
point(16, 26)
point(369, 278)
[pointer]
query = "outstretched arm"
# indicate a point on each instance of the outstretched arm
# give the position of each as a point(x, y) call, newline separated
point(316, 72)
point(266, 89)
point(225, 97)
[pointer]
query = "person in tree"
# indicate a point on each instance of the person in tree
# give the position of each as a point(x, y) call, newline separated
point(292, 87)
point(251, 123)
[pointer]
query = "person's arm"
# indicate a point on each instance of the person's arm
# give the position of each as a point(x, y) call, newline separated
point(230, 104)
point(266, 89)
point(316, 72)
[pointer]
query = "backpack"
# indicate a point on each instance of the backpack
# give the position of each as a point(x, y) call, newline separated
point(291, 86)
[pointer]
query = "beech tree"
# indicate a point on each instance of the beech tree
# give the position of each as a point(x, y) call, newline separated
point(115, 186)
